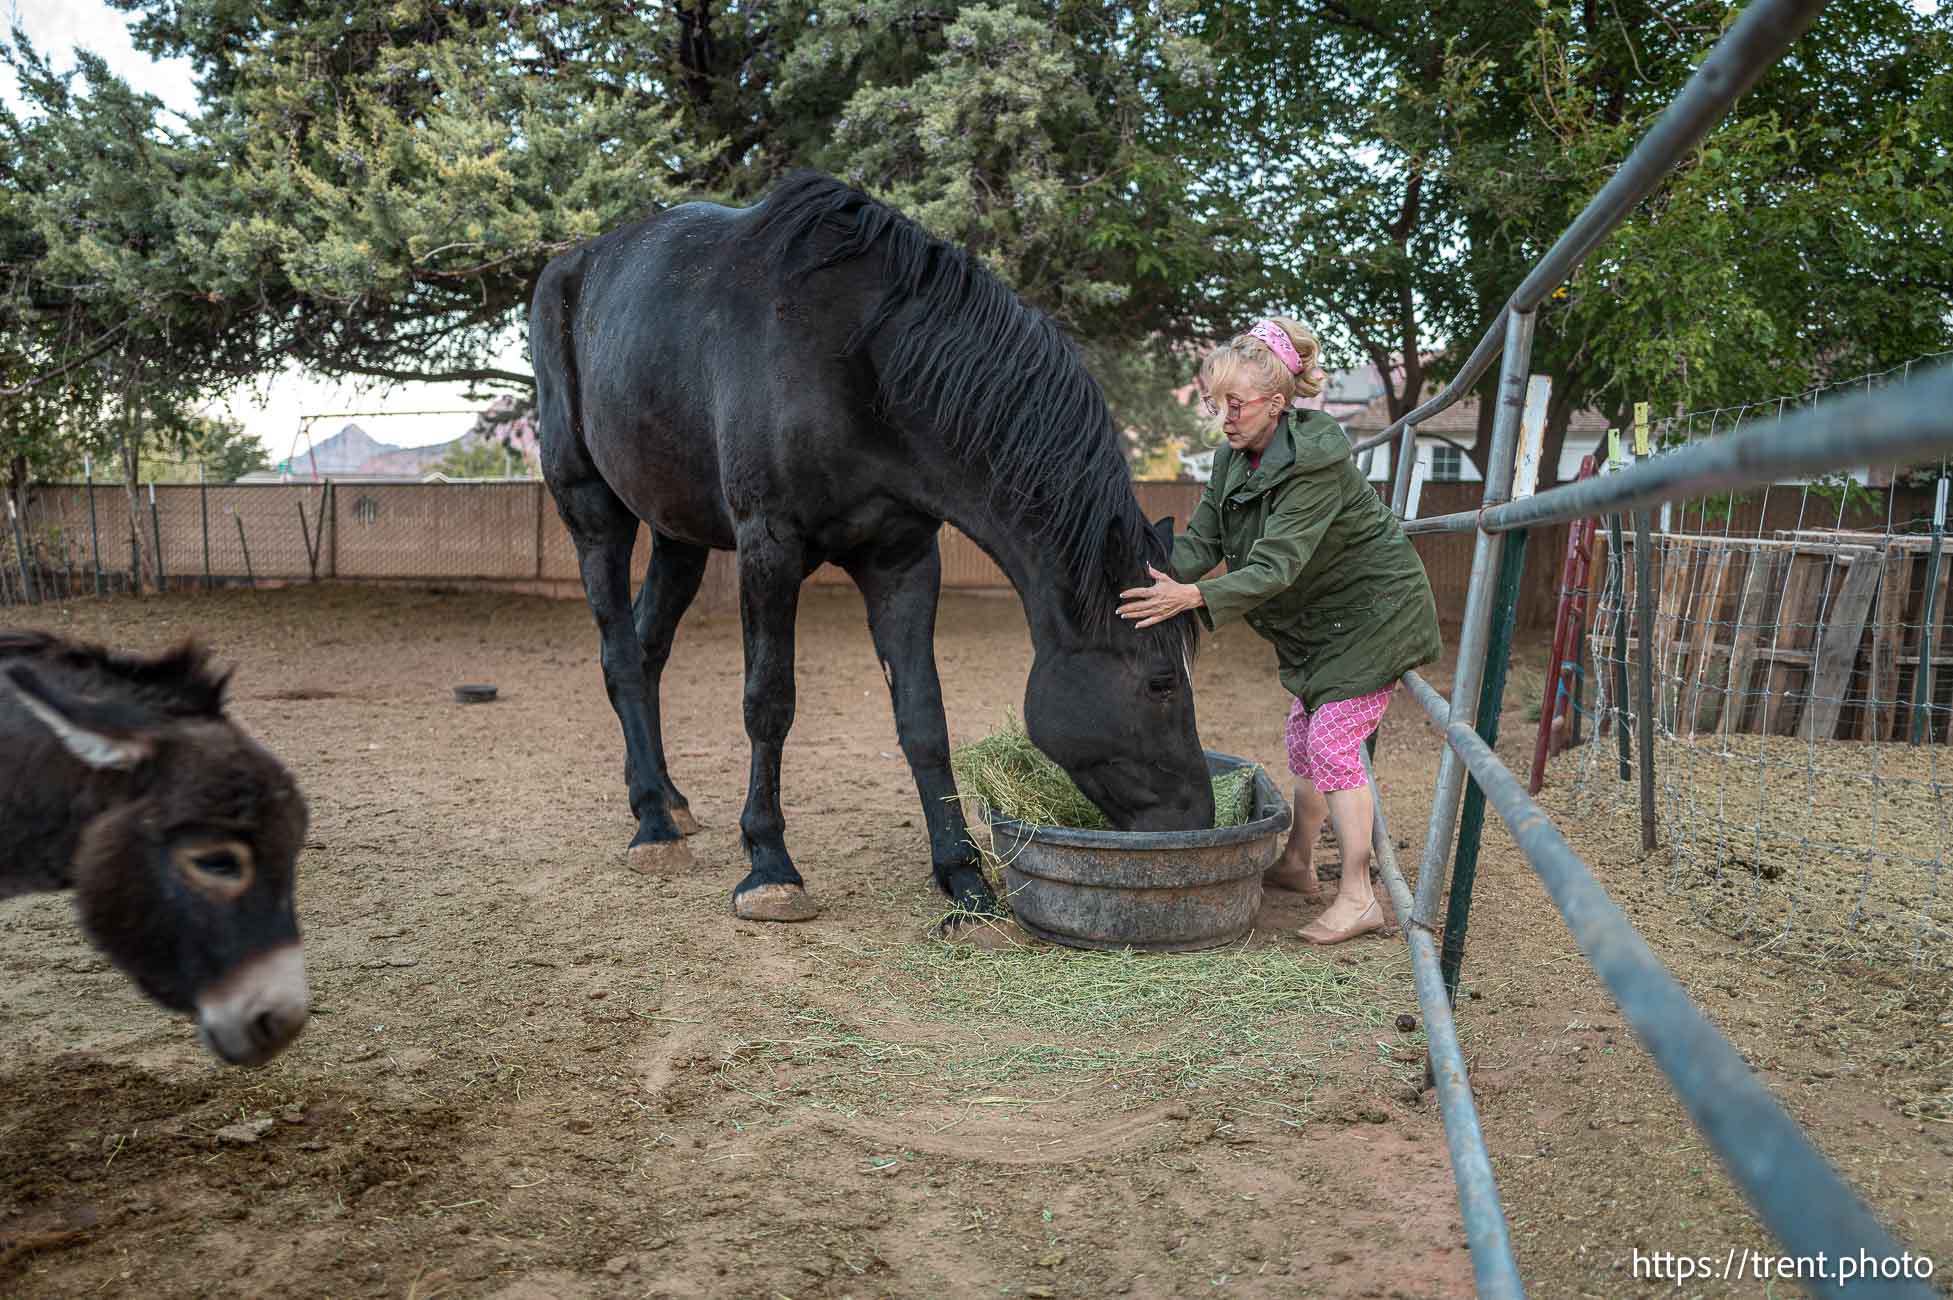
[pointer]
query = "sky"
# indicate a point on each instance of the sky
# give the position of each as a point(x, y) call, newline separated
point(272, 409)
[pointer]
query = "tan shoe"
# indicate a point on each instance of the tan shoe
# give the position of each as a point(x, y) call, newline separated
point(1368, 920)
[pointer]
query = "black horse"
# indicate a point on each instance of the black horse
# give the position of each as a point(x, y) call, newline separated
point(816, 378)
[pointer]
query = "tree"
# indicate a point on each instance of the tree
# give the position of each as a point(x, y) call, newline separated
point(1800, 244)
point(180, 443)
point(369, 188)
point(1417, 161)
point(482, 459)
point(374, 186)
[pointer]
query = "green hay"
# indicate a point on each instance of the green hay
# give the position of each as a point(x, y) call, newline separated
point(1014, 779)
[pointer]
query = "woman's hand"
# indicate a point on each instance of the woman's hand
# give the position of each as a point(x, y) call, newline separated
point(1159, 602)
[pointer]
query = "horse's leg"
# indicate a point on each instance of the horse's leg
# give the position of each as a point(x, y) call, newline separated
point(605, 531)
point(901, 596)
point(669, 585)
point(770, 573)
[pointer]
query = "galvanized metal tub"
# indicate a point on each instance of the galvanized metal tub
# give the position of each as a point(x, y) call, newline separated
point(1169, 891)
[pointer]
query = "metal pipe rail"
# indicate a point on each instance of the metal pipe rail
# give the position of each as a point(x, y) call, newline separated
point(1432, 872)
point(1751, 45)
point(1493, 1270)
point(1894, 426)
point(1799, 1196)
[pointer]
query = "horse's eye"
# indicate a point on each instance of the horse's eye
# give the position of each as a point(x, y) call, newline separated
point(1163, 685)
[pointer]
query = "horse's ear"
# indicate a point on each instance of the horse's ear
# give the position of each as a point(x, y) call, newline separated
point(1163, 529)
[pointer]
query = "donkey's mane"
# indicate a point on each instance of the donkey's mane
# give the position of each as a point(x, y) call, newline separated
point(179, 682)
point(999, 381)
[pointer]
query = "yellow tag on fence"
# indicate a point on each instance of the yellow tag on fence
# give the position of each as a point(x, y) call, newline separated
point(1640, 428)
point(1613, 446)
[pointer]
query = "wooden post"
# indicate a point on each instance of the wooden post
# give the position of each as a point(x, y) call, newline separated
point(1708, 615)
point(1786, 653)
point(1420, 471)
point(1888, 628)
point(1837, 648)
point(1742, 646)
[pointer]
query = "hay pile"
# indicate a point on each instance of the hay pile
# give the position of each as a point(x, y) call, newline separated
point(1014, 778)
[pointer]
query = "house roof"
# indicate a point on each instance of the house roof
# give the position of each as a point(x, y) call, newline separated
point(1459, 421)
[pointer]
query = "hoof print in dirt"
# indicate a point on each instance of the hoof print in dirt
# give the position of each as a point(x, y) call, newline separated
point(656, 859)
point(775, 903)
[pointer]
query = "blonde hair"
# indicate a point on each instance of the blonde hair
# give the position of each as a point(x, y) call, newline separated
point(1245, 362)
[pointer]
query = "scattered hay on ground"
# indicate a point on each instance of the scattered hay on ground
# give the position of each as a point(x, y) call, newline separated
point(963, 1018)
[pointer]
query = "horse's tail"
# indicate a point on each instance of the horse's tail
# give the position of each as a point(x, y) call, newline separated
point(553, 351)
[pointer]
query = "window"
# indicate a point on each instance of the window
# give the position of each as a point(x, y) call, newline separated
point(1447, 464)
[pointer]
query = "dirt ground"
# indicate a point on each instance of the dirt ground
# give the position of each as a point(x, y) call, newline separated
point(533, 1073)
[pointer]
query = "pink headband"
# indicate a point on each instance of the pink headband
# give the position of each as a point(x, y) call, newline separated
point(1279, 343)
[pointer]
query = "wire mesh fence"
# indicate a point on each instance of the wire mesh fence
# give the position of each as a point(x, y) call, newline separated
point(1801, 704)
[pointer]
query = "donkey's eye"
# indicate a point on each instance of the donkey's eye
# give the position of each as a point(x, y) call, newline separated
point(221, 863)
point(221, 869)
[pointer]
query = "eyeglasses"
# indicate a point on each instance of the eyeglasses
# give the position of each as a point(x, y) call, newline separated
point(1234, 404)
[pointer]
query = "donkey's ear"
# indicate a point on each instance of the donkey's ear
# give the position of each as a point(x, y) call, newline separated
point(92, 733)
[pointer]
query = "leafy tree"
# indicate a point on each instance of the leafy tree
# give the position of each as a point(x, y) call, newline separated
point(369, 188)
point(485, 458)
point(1798, 245)
point(1409, 164)
point(179, 443)
point(395, 171)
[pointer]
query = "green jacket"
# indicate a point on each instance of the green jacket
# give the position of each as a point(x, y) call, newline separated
point(1315, 563)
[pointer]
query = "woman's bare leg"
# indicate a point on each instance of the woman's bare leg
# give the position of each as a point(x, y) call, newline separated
point(1352, 815)
point(1296, 868)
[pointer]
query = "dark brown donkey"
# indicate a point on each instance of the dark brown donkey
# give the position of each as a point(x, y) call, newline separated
point(121, 779)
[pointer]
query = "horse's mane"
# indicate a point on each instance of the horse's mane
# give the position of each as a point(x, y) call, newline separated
point(999, 381)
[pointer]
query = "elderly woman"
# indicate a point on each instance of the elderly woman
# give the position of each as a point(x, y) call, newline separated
point(1316, 564)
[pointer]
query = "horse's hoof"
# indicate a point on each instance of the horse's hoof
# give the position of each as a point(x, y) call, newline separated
point(775, 903)
point(682, 818)
point(658, 857)
point(987, 933)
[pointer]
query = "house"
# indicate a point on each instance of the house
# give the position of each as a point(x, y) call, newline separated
point(1451, 434)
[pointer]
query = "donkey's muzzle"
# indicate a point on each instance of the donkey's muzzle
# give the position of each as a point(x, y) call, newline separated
point(255, 1012)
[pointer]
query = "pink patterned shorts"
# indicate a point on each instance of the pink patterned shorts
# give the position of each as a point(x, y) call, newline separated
point(1322, 749)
